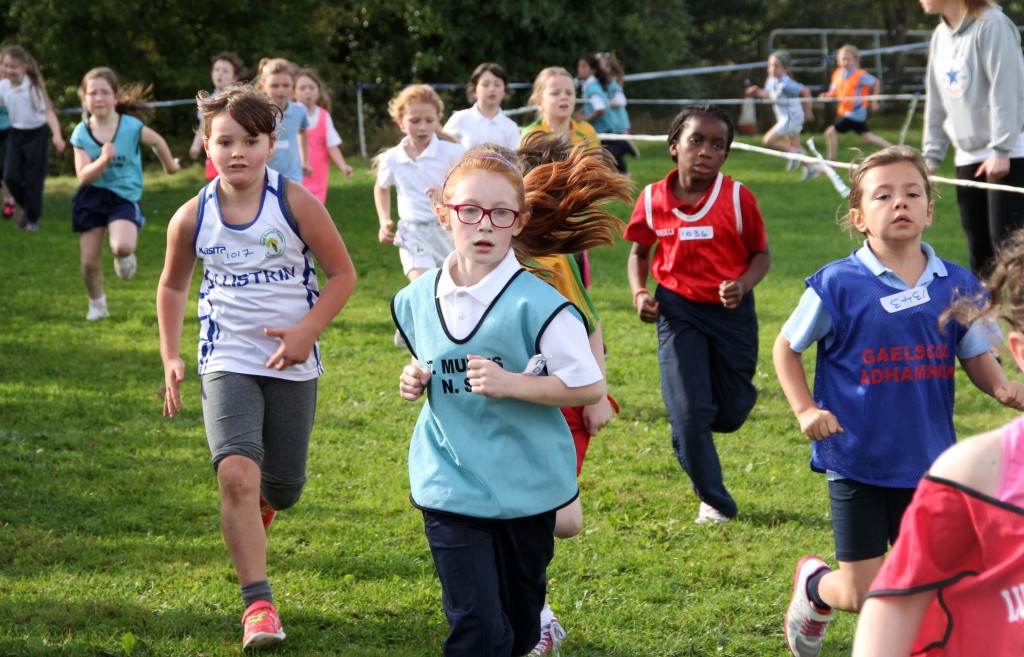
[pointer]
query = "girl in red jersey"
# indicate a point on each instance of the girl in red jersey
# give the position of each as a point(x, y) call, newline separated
point(711, 252)
point(954, 581)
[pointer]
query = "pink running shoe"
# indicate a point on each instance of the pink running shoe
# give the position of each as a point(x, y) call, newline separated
point(262, 626)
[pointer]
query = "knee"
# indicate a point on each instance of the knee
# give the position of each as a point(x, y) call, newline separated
point(238, 477)
point(830, 131)
point(282, 496)
point(121, 249)
point(91, 267)
point(568, 522)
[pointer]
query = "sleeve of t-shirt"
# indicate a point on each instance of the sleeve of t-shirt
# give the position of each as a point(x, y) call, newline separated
point(597, 102)
point(304, 124)
point(792, 88)
point(637, 230)
point(453, 126)
point(754, 237)
point(333, 138)
point(567, 347)
point(77, 136)
point(809, 324)
point(385, 176)
point(868, 80)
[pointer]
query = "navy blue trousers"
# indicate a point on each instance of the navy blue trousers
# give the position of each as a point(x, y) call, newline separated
point(708, 356)
point(493, 580)
point(987, 216)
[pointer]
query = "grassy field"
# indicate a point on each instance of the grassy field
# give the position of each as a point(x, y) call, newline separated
point(109, 533)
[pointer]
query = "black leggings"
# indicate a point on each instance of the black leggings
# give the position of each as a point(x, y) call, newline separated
point(25, 166)
point(988, 217)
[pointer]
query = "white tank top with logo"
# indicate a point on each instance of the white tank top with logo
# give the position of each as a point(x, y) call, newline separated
point(256, 276)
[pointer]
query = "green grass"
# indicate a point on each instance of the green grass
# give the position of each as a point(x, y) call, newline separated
point(109, 534)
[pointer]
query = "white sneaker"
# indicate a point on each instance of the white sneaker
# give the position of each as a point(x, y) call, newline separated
point(793, 164)
point(124, 266)
point(805, 625)
point(810, 171)
point(710, 515)
point(97, 311)
point(551, 637)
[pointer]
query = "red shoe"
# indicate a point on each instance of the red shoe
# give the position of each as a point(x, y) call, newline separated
point(8, 212)
point(262, 626)
point(267, 513)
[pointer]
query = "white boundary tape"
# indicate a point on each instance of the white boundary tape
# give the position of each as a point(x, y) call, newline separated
point(750, 148)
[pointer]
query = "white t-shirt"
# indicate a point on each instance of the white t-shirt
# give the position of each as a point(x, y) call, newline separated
point(414, 177)
point(564, 341)
point(472, 128)
point(26, 107)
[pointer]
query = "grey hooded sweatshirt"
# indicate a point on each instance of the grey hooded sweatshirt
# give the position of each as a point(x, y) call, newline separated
point(975, 86)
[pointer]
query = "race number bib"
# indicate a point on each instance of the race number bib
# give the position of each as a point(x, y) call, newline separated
point(697, 233)
point(894, 303)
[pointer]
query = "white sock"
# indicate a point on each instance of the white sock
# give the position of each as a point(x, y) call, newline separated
point(98, 303)
point(546, 615)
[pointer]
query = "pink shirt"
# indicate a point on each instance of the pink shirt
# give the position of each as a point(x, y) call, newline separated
point(1011, 475)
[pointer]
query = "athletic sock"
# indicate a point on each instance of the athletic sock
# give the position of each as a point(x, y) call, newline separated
point(812, 590)
point(257, 591)
point(99, 303)
point(546, 615)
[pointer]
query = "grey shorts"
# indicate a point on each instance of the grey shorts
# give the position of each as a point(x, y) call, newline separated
point(265, 419)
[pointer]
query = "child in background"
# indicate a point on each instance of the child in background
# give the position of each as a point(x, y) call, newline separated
point(596, 109)
point(850, 82)
point(484, 121)
point(5, 126)
point(554, 96)
point(108, 162)
point(711, 252)
point(543, 253)
point(34, 125)
point(953, 583)
point(291, 150)
point(324, 140)
point(227, 68)
point(415, 167)
point(490, 525)
point(617, 96)
point(261, 315)
point(790, 113)
point(882, 408)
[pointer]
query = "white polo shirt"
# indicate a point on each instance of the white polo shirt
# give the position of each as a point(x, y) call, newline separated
point(472, 128)
point(564, 341)
point(413, 178)
point(26, 107)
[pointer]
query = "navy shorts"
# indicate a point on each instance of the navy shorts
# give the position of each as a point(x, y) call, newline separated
point(865, 518)
point(95, 207)
point(846, 124)
point(3, 149)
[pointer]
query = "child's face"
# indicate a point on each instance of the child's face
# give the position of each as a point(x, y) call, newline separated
point(775, 67)
point(307, 91)
point(238, 156)
point(279, 86)
point(846, 60)
point(419, 121)
point(583, 69)
point(98, 97)
point(701, 148)
point(489, 90)
point(223, 73)
point(480, 247)
point(894, 205)
point(559, 98)
point(14, 69)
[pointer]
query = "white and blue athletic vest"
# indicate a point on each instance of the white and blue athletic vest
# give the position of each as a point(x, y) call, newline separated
point(473, 455)
point(123, 176)
point(255, 276)
point(888, 375)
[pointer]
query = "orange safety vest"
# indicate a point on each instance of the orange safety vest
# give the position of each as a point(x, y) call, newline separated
point(850, 86)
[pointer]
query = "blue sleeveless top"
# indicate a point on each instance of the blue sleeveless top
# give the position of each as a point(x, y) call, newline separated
point(473, 455)
point(123, 176)
point(888, 375)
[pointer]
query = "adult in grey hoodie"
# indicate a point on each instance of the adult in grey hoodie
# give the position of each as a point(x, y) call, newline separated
point(976, 102)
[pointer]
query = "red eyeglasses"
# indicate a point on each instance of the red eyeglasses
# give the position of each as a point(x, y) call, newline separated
point(474, 214)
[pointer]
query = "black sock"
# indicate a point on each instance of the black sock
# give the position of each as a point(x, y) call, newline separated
point(812, 589)
point(257, 591)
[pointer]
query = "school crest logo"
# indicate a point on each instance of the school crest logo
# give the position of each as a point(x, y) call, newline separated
point(273, 241)
point(958, 77)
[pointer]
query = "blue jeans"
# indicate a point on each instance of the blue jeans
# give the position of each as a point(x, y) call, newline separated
point(708, 356)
